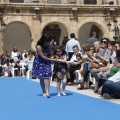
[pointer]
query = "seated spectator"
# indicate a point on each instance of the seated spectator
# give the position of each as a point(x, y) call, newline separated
point(105, 73)
point(15, 54)
point(6, 53)
point(1, 69)
point(72, 66)
point(102, 54)
point(111, 88)
point(7, 68)
point(29, 61)
point(87, 59)
point(23, 54)
point(115, 68)
point(117, 46)
point(3, 59)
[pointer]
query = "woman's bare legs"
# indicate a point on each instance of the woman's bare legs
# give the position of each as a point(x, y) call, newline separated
point(42, 84)
point(63, 87)
point(47, 84)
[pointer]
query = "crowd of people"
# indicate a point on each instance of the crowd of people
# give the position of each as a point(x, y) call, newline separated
point(97, 58)
point(16, 63)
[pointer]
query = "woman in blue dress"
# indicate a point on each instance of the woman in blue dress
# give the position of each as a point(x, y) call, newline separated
point(42, 63)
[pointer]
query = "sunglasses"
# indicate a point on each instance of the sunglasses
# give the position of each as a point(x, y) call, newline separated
point(103, 41)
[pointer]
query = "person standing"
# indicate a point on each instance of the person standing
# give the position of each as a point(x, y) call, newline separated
point(60, 71)
point(42, 63)
point(92, 39)
point(69, 46)
point(52, 48)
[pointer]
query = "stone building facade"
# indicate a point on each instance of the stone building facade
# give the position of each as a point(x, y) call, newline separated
point(27, 20)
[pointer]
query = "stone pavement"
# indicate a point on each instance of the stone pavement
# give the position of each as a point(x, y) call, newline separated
point(88, 92)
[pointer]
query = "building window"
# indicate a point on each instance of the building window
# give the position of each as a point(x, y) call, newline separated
point(90, 1)
point(54, 1)
point(16, 1)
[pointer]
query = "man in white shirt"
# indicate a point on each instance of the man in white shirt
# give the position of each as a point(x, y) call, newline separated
point(69, 46)
point(111, 88)
point(72, 68)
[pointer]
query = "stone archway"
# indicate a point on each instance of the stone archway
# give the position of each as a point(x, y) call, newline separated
point(17, 34)
point(57, 30)
point(86, 29)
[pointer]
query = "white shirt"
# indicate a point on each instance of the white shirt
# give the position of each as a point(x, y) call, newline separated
point(8, 67)
point(14, 55)
point(23, 55)
point(73, 58)
point(29, 63)
point(70, 44)
point(116, 77)
point(112, 57)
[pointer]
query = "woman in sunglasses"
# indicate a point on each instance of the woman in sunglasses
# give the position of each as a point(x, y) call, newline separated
point(104, 45)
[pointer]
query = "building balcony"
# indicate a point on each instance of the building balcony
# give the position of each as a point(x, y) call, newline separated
point(83, 2)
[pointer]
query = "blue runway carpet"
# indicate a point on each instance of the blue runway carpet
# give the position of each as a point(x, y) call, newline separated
point(21, 99)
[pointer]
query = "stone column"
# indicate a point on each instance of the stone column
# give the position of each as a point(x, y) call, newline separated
point(74, 29)
point(105, 1)
point(115, 2)
point(78, 1)
point(99, 2)
point(118, 2)
point(63, 1)
point(27, 1)
point(45, 1)
point(7, 1)
point(1, 42)
point(81, 1)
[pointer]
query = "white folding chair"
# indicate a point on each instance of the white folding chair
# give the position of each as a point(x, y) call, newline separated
point(29, 74)
point(77, 75)
point(13, 71)
point(22, 69)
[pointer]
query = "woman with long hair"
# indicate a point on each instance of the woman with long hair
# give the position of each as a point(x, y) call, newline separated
point(42, 63)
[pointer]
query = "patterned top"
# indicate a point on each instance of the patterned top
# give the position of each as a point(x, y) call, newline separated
point(60, 70)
